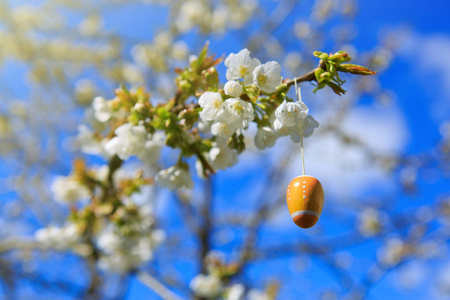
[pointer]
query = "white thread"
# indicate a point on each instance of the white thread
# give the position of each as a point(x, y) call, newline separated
point(299, 98)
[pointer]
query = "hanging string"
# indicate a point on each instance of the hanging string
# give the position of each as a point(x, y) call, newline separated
point(299, 98)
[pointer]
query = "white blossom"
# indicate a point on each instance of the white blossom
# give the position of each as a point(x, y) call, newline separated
point(84, 91)
point(91, 25)
point(306, 126)
point(207, 286)
point(68, 190)
point(255, 294)
point(129, 140)
point(369, 222)
point(393, 252)
point(235, 292)
point(233, 88)
point(191, 13)
point(132, 74)
point(125, 251)
point(223, 130)
point(267, 76)
point(59, 238)
point(152, 148)
point(289, 113)
point(180, 50)
point(236, 113)
point(309, 124)
point(211, 103)
point(122, 253)
point(88, 143)
point(241, 66)
point(102, 109)
point(291, 118)
point(175, 178)
point(222, 156)
point(204, 126)
point(219, 18)
point(265, 138)
point(100, 172)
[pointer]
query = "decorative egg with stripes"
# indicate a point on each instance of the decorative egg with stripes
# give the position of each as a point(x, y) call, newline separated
point(304, 198)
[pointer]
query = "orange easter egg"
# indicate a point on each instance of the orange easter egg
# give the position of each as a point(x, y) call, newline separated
point(304, 198)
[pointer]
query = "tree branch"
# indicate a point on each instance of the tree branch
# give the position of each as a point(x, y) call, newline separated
point(156, 286)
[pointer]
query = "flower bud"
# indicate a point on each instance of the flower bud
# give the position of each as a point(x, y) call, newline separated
point(233, 88)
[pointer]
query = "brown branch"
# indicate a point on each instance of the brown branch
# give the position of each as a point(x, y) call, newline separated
point(205, 231)
point(310, 76)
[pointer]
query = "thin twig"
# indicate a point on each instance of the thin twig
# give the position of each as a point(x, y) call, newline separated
point(157, 286)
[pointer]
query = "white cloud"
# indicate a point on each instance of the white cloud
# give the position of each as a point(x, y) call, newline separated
point(429, 57)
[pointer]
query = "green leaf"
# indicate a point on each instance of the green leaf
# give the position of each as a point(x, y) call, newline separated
point(320, 55)
point(340, 56)
point(355, 69)
point(318, 74)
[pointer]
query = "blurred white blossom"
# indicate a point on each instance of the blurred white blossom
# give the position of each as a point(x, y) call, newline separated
point(207, 286)
point(235, 292)
point(59, 238)
point(129, 140)
point(255, 294)
point(102, 109)
point(88, 142)
point(69, 190)
point(175, 178)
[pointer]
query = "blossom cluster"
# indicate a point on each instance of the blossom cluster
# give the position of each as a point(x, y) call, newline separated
point(125, 250)
point(213, 17)
point(123, 231)
point(254, 93)
point(229, 113)
point(213, 285)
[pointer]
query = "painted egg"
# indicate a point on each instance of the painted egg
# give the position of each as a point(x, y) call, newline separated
point(304, 198)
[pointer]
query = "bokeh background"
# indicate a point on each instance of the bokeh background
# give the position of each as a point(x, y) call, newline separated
point(381, 151)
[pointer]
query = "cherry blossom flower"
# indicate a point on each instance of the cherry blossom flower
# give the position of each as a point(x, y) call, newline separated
point(207, 286)
point(222, 156)
point(88, 143)
point(255, 294)
point(102, 109)
point(175, 178)
point(241, 66)
point(233, 88)
point(265, 138)
point(152, 148)
point(68, 190)
point(267, 76)
point(59, 238)
point(236, 113)
point(306, 126)
point(223, 130)
point(235, 292)
point(211, 104)
point(129, 140)
point(289, 113)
